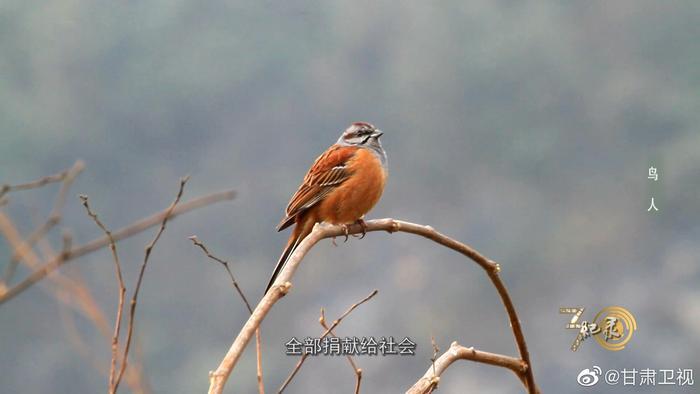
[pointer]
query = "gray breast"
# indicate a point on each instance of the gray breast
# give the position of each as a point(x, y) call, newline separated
point(376, 147)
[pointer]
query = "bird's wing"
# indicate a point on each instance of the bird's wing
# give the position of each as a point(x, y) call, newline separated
point(328, 172)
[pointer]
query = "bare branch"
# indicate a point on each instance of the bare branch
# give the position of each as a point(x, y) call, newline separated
point(128, 231)
point(66, 177)
point(122, 291)
point(5, 188)
point(72, 293)
point(430, 380)
point(198, 243)
point(282, 285)
point(134, 298)
point(258, 364)
point(436, 350)
point(258, 340)
point(325, 334)
point(357, 371)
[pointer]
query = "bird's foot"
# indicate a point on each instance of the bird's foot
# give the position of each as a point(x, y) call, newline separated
point(346, 231)
point(333, 241)
point(362, 224)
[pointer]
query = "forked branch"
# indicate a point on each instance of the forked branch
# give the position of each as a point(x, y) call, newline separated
point(66, 178)
point(282, 285)
point(356, 370)
point(329, 331)
point(122, 291)
point(430, 380)
point(258, 338)
point(135, 296)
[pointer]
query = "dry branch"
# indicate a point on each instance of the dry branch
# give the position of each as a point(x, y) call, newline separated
point(328, 331)
point(41, 272)
point(258, 339)
point(199, 244)
point(436, 350)
point(122, 291)
point(282, 285)
point(74, 294)
point(134, 297)
point(5, 188)
point(357, 371)
point(71, 292)
point(430, 380)
point(66, 178)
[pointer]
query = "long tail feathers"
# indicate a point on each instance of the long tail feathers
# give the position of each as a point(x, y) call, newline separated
point(283, 260)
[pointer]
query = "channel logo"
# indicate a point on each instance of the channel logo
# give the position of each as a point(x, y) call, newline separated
point(589, 376)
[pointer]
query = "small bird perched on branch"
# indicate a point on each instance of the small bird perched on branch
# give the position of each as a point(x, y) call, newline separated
point(341, 186)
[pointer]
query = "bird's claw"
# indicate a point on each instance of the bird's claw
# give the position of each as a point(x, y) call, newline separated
point(346, 232)
point(362, 224)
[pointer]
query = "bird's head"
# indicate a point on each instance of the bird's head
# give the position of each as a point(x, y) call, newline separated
point(364, 135)
point(361, 134)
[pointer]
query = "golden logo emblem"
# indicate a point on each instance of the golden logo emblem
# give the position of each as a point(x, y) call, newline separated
point(617, 326)
point(612, 327)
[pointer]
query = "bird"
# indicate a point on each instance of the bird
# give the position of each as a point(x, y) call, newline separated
point(342, 185)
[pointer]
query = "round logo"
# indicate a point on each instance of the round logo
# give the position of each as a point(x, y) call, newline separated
point(616, 327)
point(589, 376)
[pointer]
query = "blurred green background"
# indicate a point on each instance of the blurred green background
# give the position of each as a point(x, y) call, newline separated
point(522, 128)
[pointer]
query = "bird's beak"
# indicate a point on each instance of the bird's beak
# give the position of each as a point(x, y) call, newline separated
point(377, 134)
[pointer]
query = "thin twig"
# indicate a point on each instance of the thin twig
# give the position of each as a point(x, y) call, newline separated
point(66, 177)
point(73, 293)
point(134, 298)
point(258, 364)
point(5, 188)
point(430, 380)
point(252, 325)
point(325, 334)
point(198, 243)
point(436, 350)
point(217, 379)
point(69, 291)
point(125, 232)
point(357, 371)
point(122, 292)
point(258, 339)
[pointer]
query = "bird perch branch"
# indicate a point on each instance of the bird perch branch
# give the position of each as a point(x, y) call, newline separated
point(282, 285)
